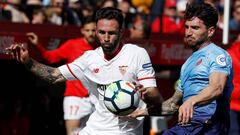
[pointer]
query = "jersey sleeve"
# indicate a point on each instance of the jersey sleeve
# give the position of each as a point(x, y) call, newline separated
point(74, 70)
point(220, 62)
point(145, 71)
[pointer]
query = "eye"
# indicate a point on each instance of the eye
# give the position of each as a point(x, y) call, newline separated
point(112, 33)
point(101, 32)
point(195, 27)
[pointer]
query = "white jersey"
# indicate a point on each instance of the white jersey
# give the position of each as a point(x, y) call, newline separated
point(132, 63)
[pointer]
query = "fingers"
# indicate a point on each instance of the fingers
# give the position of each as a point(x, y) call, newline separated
point(139, 88)
point(15, 50)
point(185, 115)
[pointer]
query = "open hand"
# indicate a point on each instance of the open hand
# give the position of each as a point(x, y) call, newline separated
point(19, 52)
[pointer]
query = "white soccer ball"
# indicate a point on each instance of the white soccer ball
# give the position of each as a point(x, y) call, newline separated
point(121, 98)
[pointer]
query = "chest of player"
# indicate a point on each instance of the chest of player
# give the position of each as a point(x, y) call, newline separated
point(109, 71)
point(196, 67)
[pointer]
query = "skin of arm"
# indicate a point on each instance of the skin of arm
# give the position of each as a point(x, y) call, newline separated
point(20, 53)
point(154, 100)
point(168, 107)
point(217, 81)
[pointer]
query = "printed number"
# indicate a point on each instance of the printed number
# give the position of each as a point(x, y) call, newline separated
point(74, 109)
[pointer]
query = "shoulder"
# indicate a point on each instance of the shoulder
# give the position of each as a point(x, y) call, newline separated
point(219, 55)
point(215, 50)
point(133, 48)
point(72, 41)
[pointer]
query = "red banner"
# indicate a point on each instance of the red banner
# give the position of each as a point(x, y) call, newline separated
point(164, 49)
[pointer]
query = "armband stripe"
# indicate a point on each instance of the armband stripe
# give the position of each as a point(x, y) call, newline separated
point(139, 79)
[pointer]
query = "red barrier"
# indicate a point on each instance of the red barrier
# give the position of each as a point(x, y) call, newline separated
point(164, 49)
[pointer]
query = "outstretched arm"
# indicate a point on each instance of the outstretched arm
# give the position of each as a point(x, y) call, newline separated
point(217, 81)
point(20, 53)
point(156, 106)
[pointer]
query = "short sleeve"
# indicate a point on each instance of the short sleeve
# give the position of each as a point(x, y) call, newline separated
point(220, 62)
point(74, 70)
point(145, 71)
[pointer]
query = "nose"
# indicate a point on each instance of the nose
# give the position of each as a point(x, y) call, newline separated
point(106, 37)
point(92, 33)
point(189, 32)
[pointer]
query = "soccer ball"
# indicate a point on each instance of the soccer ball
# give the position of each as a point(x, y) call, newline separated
point(121, 98)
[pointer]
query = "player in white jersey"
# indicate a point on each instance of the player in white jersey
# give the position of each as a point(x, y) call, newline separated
point(131, 63)
point(110, 62)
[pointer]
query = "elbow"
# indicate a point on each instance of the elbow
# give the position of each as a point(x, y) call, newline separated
point(218, 91)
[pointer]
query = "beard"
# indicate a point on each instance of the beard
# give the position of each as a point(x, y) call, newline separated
point(91, 40)
point(109, 48)
point(194, 43)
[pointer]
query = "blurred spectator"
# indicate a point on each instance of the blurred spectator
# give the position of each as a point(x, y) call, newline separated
point(156, 9)
point(87, 10)
point(34, 2)
point(54, 13)
point(125, 6)
point(234, 51)
point(108, 3)
point(181, 6)
point(39, 16)
point(234, 23)
point(71, 14)
point(139, 29)
point(16, 14)
point(142, 6)
point(5, 15)
point(169, 22)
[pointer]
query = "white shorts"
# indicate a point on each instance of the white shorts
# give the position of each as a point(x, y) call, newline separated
point(75, 108)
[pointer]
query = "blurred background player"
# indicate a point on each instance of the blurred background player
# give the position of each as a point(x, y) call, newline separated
point(139, 28)
point(234, 51)
point(77, 104)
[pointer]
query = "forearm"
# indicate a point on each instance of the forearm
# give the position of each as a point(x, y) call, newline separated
point(154, 97)
point(206, 96)
point(168, 107)
point(47, 73)
point(215, 88)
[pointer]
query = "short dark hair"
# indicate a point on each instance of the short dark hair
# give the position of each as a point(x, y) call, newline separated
point(204, 11)
point(110, 13)
point(88, 19)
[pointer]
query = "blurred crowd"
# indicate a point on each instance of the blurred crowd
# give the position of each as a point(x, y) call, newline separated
point(159, 15)
point(141, 18)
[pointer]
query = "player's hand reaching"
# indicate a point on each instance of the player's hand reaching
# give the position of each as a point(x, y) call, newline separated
point(142, 92)
point(185, 112)
point(149, 95)
point(19, 52)
point(32, 38)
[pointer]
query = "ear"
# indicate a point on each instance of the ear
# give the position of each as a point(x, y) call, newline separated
point(211, 31)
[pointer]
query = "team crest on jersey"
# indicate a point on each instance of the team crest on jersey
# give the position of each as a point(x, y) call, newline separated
point(123, 69)
point(221, 60)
